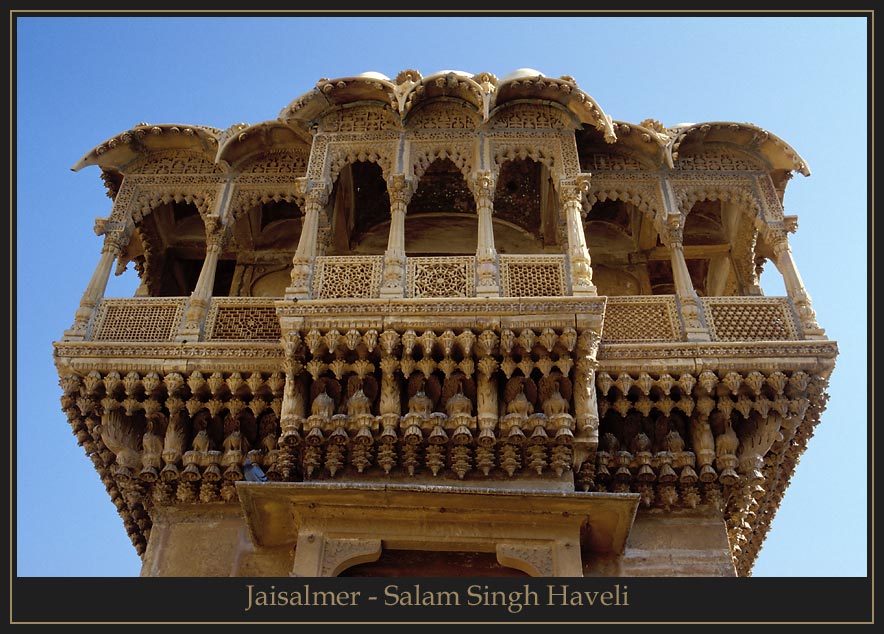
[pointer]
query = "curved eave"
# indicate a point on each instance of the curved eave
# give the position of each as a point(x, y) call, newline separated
point(562, 91)
point(120, 150)
point(336, 92)
point(639, 139)
point(451, 84)
point(261, 137)
point(776, 152)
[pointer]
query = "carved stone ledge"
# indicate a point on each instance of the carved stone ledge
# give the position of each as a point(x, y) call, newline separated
point(349, 523)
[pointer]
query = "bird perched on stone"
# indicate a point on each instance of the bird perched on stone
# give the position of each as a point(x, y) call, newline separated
point(253, 472)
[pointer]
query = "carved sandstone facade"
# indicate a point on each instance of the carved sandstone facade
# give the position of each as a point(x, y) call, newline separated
point(465, 325)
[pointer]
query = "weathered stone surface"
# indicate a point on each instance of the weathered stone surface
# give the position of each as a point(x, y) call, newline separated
point(460, 286)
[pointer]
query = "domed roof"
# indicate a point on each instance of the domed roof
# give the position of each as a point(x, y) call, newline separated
point(519, 73)
point(373, 75)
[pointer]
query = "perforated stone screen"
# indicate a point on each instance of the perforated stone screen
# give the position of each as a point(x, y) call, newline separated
point(631, 319)
point(144, 319)
point(750, 318)
point(349, 276)
point(441, 277)
point(242, 323)
point(533, 276)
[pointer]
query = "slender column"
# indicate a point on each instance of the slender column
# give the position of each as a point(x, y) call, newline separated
point(116, 237)
point(785, 263)
point(570, 195)
point(486, 254)
point(672, 236)
point(315, 199)
point(198, 302)
point(689, 302)
point(400, 190)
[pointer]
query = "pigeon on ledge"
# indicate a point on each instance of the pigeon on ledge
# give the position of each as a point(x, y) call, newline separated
point(253, 472)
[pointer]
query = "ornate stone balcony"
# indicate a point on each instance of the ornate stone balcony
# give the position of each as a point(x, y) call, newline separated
point(584, 320)
point(376, 387)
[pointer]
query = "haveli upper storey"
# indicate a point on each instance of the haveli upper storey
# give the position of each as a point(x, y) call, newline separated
point(449, 276)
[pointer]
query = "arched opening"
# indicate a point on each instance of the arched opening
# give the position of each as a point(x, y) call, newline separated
point(441, 217)
point(616, 231)
point(264, 240)
point(707, 249)
point(360, 202)
point(525, 197)
point(174, 240)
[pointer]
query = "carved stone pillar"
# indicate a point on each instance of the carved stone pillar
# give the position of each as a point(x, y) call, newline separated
point(116, 237)
point(198, 303)
point(570, 194)
point(486, 255)
point(486, 396)
point(586, 411)
point(400, 190)
point(315, 199)
point(784, 262)
point(689, 302)
point(291, 419)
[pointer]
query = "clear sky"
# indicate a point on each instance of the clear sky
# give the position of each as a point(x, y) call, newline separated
point(81, 80)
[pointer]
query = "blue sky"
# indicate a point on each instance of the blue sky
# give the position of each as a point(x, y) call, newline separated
point(83, 79)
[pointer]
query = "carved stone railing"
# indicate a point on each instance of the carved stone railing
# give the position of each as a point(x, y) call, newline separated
point(642, 319)
point(242, 319)
point(750, 318)
point(533, 276)
point(139, 319)
point(633, 319)
point(350, 276)
point(453, 276)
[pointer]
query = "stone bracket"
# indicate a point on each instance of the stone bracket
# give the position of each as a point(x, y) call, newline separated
point(338, 525)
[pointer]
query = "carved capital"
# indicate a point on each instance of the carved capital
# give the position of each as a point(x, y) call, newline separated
point(314, 193)
point(100, 225)
point(216, 232)
point(588, 343)
point(484, 182)
point(672, 230)
point(400, 188)
point(571, 190)
point(583, 181)
point(116, 236)
point(778, 239)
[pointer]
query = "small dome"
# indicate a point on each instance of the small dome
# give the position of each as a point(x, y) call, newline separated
point(451, 72)
point(373, 75)
point(519, 73)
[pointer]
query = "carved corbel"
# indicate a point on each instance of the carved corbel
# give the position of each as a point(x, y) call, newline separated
point(120, 438)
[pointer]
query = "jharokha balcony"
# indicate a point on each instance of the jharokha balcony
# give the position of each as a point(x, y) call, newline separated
point(453, 280)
